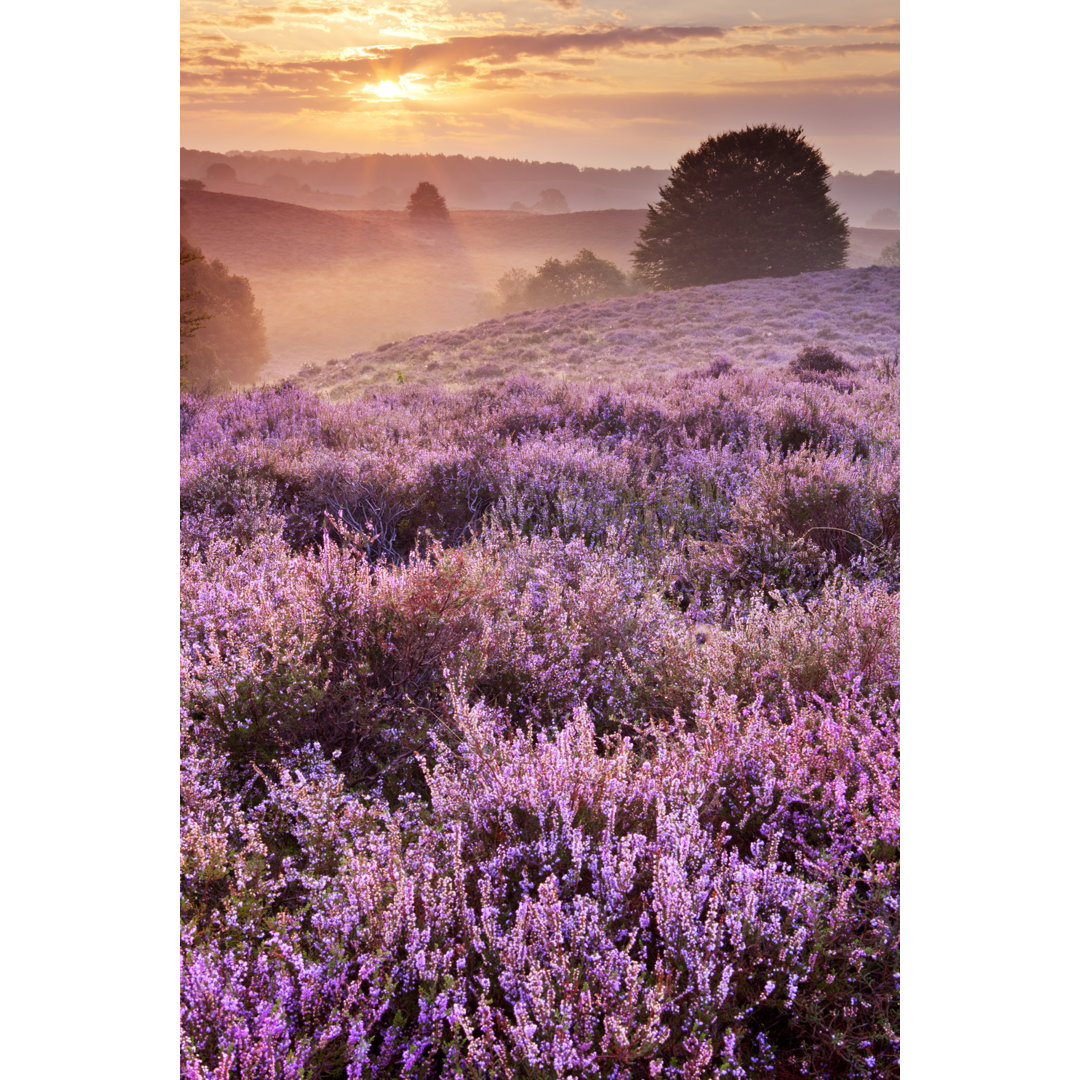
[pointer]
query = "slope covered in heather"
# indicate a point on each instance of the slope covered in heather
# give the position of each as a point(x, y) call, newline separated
point(759, 322)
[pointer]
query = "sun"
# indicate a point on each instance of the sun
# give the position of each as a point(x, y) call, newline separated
point(403, 88)
point(388, 90)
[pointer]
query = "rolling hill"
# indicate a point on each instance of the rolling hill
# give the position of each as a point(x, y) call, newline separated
point(332, 282)
point(765, 321)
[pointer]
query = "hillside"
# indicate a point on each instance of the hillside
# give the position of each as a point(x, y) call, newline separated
point(332, 282)
point(761, 322)
point(384, 181)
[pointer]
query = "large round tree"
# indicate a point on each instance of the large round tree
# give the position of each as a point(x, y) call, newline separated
point(750, 203)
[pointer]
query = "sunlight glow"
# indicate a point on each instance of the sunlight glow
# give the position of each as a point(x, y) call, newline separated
point(405, 87)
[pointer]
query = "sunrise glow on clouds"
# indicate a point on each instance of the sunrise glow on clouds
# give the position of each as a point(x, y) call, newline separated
point(631, 84)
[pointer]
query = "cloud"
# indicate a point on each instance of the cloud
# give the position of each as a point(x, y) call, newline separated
point(797, 54)
point(456, 57)
point(891, 26)
point(558, 86)
point(859, 105)
point(510, 48)
point(240, 20)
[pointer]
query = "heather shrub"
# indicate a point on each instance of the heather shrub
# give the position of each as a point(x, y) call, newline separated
point(720, 366)
point(809, 513)
point(566, 484)
point(542, 729)
point(385, 499)
point(529, 410)
point(249, 678)
point(564, 907)
point(230, 491)
point(821, 360)
point(292, 649)
point(843, 641)
point(886, 367)
point(581, 626)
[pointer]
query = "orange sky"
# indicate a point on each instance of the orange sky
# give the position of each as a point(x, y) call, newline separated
point(633, 84)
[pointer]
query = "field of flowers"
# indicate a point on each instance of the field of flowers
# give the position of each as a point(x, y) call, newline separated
point(548, 729)
point(761, 321)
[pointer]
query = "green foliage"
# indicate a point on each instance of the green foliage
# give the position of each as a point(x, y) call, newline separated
point(191, 316)
point(426, 204)
point(585, 277)
point(750, 203)
point(890, 255)
point(222, 335)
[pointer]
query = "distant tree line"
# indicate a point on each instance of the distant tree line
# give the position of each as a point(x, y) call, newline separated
point(494, 183)
point(383, 181)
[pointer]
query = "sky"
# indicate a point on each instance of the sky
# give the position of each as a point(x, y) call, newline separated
point(633, 83)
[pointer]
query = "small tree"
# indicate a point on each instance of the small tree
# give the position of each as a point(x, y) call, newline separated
point(890, 255)
point(552, 201)
point(221, 173)
point(750, 203)
point(426, 204)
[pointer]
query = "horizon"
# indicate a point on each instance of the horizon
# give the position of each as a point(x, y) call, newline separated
point(538, 80)
point(280, 153)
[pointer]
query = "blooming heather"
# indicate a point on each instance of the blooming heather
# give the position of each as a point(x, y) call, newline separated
point(544, 729)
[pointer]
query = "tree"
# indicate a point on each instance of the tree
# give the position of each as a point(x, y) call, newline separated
point(192, 317)
point(221, 173)
point(426, 204)
point(890, 255)
point(750, 203)
point(222, 335)
point(552, 201)
point(585, 277)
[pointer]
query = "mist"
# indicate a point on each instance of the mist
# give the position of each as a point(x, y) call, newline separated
point(331, 283)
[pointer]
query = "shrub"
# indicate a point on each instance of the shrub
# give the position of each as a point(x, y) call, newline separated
point(820, 359)
point(720, 366)
point(557, 905)
point(542, 729)
point(805, 515)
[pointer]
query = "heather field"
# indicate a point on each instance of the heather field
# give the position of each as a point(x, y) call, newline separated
point(756, 323)
point(544, 723)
